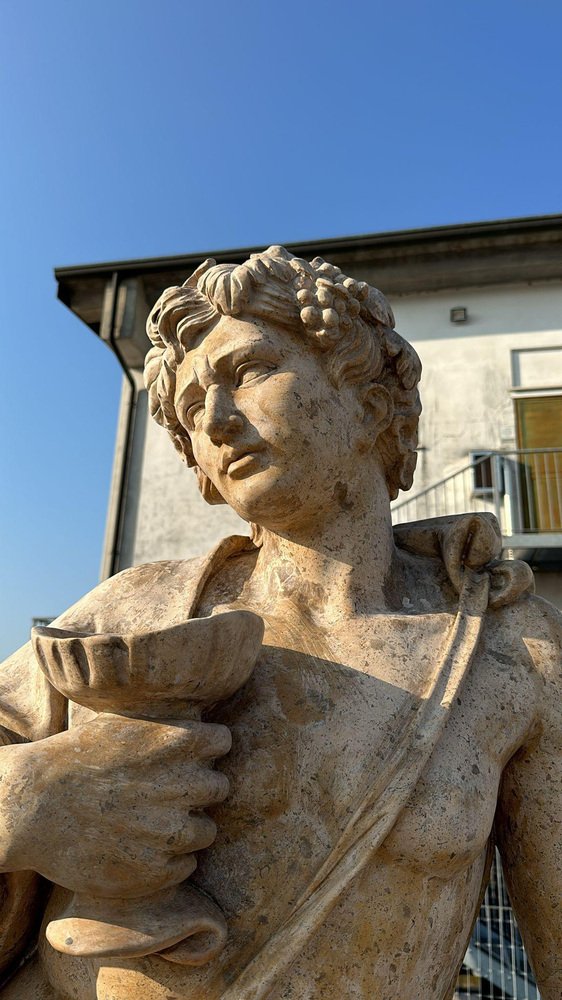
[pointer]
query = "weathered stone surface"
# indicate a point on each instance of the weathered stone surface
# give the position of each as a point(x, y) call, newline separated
point(170, 674)
point(402, 713)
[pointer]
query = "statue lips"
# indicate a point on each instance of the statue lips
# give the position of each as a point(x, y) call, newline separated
point(240, 460)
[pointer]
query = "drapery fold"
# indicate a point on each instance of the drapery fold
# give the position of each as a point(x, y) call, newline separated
point(168, 592)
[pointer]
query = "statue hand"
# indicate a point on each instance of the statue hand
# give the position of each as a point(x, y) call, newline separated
point(113, 806)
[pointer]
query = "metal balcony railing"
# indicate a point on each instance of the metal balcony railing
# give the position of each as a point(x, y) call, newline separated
point(523, 488)
point(496, 965)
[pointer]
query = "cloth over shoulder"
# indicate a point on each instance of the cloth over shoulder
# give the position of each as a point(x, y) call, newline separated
point(30, 709)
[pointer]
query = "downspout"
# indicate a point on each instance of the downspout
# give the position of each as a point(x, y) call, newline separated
point(130, 421)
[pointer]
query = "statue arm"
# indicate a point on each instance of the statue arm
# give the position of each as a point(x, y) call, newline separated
point(142, 597)
point(529, 824)
point(32, 710)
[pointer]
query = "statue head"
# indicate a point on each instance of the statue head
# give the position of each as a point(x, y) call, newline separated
point(347, 324)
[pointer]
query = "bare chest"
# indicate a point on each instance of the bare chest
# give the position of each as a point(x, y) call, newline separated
point(315, 730)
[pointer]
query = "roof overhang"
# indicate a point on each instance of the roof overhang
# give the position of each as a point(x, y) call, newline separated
point(508, 251)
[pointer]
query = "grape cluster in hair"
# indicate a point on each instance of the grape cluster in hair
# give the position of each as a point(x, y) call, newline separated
point(349, 321)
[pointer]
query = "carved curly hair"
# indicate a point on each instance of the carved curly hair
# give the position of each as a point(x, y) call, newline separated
point(349, 321)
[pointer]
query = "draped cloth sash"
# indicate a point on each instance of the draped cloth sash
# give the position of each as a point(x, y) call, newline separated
point(379, 811)
point(469, 546)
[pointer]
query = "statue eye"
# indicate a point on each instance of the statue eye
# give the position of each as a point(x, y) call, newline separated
point(252, 371)
point(194, 413)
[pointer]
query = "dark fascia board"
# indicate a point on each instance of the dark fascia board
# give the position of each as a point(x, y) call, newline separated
point(400, 263)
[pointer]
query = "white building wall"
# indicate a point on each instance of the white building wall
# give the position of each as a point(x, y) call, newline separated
point(467, 376)
point(466, 396)
point(172, 519)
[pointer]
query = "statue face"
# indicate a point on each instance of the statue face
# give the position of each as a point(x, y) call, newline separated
point(275, 437)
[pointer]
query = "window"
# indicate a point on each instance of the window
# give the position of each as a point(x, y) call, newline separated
point(537, 397)
point(482, 473)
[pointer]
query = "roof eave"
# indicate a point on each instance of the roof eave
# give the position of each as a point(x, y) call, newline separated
point(409, 259)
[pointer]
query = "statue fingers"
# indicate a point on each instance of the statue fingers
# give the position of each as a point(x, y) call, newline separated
point(151, 868)
point(173, 834)
point(208, 740)
point(191, 785)
point(205, 787)
point(179, 867)
point(170, 741)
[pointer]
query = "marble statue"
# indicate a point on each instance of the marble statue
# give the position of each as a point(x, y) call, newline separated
point(279, 770)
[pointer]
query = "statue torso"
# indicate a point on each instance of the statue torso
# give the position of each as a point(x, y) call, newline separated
point(311, 732)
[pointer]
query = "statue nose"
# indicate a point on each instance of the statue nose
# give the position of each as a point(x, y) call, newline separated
point(222, 419)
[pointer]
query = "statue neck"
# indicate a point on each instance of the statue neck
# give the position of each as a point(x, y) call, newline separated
point(335, 566)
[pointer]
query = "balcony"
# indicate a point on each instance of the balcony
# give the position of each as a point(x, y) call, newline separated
point(496, 965)
point(523, 488)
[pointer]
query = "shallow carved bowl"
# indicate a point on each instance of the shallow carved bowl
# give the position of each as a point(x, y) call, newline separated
point(201, 661)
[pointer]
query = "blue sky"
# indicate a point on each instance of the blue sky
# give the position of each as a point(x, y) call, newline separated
point(136, 129)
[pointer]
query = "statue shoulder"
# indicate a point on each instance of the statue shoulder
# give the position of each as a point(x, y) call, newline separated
point(141, 598)
point(148, 596)
point(532, 618)
point(153, 595)
point(532, 627)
